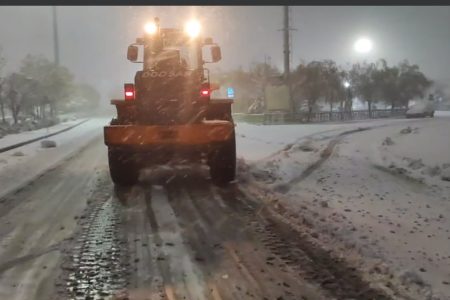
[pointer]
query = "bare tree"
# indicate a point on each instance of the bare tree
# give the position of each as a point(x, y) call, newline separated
point(13, 97)
point(55, 83)
point(333, 79)
point(2, 99)
point(19, 93)
point(364, 78)
point(399, 84)
point(2, 81)
point(308, 84)
point(261, 74)
point(411, 83)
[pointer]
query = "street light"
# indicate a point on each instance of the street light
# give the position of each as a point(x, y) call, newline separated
point(348, 100)
point(363, 45)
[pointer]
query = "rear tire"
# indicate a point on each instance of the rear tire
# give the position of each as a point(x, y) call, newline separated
point(122, 167)
point(222, 163)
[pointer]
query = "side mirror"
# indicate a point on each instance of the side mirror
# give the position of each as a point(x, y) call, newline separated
point(132, 53)
point(216, 54)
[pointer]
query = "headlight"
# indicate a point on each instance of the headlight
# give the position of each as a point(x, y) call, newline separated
point(150, 28)
point(192, 28)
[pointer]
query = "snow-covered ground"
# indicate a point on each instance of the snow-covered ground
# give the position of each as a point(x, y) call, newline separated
point(255, 142)
point(12, 139)
point(19, 166)
point(376, 188)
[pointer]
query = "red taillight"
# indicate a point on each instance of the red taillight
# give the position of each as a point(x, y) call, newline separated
point(129, 91)
point(205, 90)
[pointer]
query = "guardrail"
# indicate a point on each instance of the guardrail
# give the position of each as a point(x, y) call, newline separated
point(305, 117)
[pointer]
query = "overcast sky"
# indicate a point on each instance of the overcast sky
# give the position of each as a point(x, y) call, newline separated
point(93, 40)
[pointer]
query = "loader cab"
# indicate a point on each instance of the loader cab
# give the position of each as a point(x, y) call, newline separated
point(172, 49)
point(173, 85)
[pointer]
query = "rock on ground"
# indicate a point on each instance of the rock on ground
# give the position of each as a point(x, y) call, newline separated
point(445, 175)
point(48, 144)
point(406, 130)
point(388, 141)
point(18, 153)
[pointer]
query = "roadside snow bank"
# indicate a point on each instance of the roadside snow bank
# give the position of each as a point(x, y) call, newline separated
point(16, 138)
point(255, 142)
point(15, 171)
point(421, 151)
point(395, 224)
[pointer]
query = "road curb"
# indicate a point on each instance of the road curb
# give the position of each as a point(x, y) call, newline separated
point(10, 147)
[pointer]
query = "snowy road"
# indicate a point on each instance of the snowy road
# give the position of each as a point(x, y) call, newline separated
point(38, 220)
point(184, 240)
point(69, 234)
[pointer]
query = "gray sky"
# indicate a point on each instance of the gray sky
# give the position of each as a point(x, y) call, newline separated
point(93, 40)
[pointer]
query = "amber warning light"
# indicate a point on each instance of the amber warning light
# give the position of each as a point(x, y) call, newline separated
point(129, 91)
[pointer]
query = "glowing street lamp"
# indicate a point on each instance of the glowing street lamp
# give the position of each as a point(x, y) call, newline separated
point(363, 45)
point(348, 96)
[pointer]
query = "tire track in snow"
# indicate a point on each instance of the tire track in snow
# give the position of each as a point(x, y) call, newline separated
point(181, 276)
point(324, 155)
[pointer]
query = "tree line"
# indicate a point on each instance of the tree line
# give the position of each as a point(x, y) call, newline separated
point(40, 89)
point(325, 82)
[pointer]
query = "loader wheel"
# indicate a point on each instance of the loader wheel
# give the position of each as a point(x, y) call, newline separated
point(122, 168)
point(222, 164)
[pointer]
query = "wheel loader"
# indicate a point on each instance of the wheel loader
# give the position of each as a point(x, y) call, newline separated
point(168, 113)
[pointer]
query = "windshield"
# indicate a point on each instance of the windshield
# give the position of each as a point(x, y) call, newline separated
point(184, 57)
point(177, 52)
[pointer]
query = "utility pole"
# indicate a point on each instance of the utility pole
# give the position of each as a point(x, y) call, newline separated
point(266, 78)
point(55, 36)
point(55, 52)
point(287, 54)
point(286, 48)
